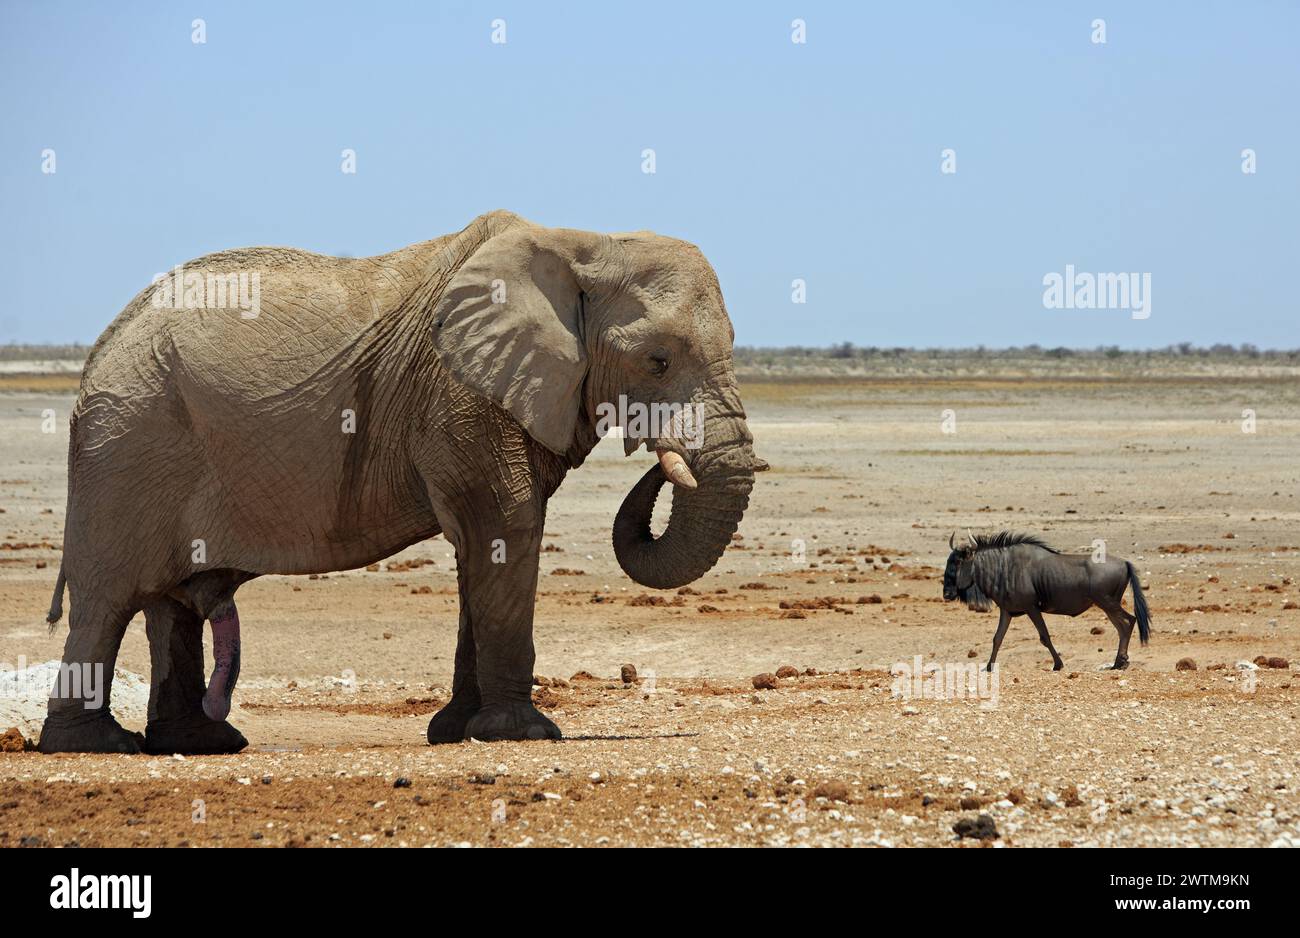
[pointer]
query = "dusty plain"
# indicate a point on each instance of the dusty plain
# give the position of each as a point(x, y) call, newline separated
point(341, 672)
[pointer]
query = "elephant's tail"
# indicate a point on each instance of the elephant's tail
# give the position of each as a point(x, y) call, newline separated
point(56, 604)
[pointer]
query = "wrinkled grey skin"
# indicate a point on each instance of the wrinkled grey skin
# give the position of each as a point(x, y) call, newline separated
point(1025, 577)
point(473, 366)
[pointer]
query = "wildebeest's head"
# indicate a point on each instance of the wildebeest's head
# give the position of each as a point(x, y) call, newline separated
point(959, 575)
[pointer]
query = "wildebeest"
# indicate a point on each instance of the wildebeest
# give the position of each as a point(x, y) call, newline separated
point(1025, 577)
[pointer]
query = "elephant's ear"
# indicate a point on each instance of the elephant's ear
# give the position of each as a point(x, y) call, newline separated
point(509, 325)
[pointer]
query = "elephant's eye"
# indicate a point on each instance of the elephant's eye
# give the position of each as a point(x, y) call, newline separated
point(658, 362)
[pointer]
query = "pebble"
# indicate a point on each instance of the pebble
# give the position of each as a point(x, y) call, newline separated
point(833, 790)
point(982, 827)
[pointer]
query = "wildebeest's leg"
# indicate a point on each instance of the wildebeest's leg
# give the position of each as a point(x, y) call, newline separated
point(1046, 639)
point(1123, 622)
point(1004, 619)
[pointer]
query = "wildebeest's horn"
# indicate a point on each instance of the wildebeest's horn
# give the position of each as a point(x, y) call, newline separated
point(951, 538)
point(973, 542)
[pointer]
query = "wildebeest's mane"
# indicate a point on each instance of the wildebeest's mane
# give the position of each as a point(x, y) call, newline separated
point(1010, 539)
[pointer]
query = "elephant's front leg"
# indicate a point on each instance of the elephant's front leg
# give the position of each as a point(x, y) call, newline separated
point(448, 724)
point(497, 560)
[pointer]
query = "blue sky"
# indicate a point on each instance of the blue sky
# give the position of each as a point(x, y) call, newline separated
point(818, 161)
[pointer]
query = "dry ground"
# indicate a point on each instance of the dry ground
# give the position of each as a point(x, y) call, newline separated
point(342, 672)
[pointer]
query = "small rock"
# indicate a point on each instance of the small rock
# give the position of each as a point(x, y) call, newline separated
point(402, 782)
point(834, 790)
point(628, 673)
point(764, 681)
point(1185, 664)
point(787, 671)
point(14, 741)
point(971, 803)
point(978, 828)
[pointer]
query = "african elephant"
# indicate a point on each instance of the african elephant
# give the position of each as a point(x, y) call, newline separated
point(367, 404)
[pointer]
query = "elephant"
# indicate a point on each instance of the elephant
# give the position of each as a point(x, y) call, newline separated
point(363, 405)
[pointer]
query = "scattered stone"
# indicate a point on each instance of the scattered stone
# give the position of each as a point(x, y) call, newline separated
point(764, 681)
point(1096, 630)
point(971, 803)
point(787, 671)
point(628, 673)
point(976, 828)
point(834, 790)
point(1185, 664)
point(14, 741)
point(1070, 795)
point(402, 782)
point(874, 599)
point(1265, 661)
point(1016, 795)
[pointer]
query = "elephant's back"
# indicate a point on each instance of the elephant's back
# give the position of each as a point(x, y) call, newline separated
point(248, 322)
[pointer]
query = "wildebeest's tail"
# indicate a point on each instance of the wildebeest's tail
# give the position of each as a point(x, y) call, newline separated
point(56, 604)
point(1139, 605)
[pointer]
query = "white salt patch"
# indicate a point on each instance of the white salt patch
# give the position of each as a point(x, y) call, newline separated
point(25, 692)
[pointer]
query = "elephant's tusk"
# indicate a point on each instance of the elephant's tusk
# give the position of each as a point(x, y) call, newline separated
point(674, 468)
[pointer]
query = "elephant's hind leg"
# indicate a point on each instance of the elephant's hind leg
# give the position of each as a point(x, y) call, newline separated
point(177, 722)
point(78, 717)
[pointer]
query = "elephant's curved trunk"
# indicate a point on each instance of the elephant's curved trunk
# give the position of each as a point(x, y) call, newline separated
point(700, 526)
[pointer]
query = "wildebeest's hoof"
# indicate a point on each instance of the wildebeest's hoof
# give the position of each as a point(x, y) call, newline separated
point(512, 720)
point(97, 733)
point(1058, 666)
point(1120, 664)
point(192, 736)
point(448, 724)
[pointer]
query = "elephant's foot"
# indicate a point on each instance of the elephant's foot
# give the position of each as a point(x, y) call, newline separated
point(512, 720)
point(194, 735)
point(99, 732)
point(448, 724)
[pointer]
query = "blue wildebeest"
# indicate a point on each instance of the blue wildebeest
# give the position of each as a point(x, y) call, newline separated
point(1025, 577)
